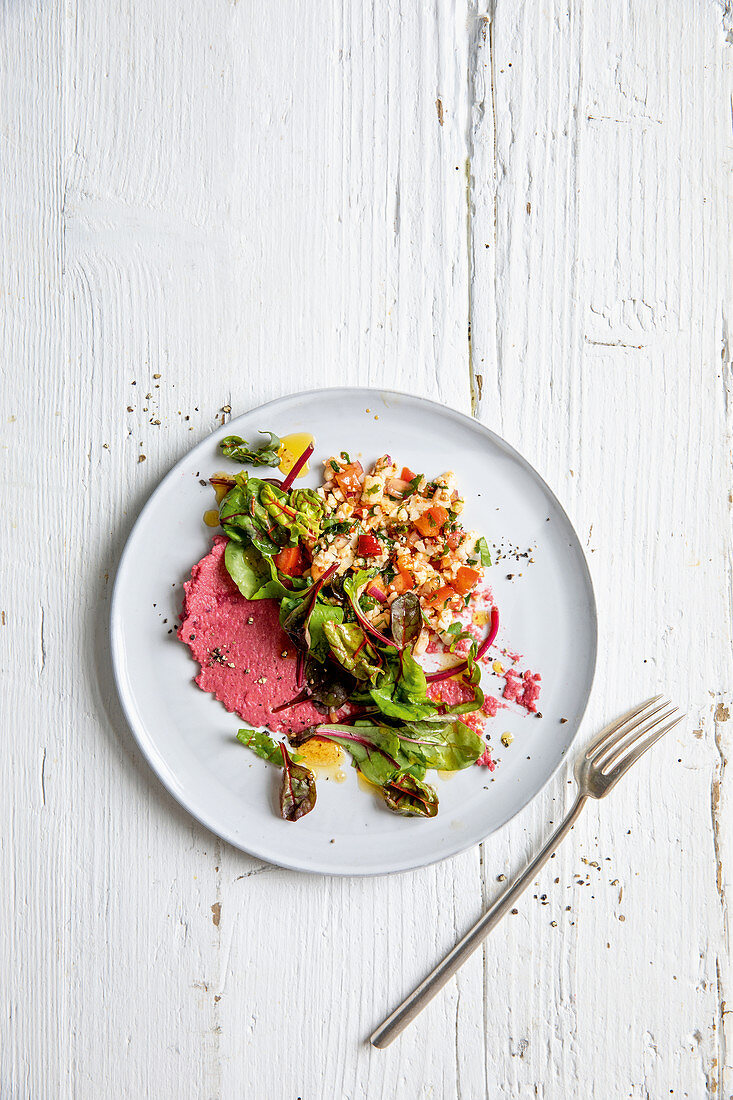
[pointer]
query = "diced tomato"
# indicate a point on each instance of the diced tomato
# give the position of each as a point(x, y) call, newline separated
point(442, 597)
point(466, 579)
point(455, 538)
point(430, 522)
point(290, 561)
point(407, 474)
point(349, 479)
point(369, 546)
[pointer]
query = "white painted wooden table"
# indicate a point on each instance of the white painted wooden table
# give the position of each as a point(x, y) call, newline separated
point(520, 209)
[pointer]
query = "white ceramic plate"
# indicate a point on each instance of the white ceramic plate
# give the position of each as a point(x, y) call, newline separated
point(548, 615)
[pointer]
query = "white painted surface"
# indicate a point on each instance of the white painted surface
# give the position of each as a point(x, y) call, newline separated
point(253, 198)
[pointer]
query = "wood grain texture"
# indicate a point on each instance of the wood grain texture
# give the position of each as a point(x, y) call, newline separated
point(520, 210)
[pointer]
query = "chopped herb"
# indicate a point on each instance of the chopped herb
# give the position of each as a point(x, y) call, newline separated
point(483, 551)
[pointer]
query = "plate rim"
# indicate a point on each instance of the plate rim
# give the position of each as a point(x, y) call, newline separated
point(142, 738)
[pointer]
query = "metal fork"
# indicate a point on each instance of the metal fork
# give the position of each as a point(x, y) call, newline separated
point(610, 756)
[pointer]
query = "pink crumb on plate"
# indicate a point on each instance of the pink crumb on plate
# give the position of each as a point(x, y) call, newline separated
point(524, 689)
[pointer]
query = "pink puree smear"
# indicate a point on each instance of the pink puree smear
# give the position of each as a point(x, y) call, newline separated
point(247, 634)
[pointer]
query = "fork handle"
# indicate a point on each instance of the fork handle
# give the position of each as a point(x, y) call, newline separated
point(415, 1003)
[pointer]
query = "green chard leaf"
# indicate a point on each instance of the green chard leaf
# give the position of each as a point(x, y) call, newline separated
point(298, 513)
point(239, 450)
point(448, 746)
point(350, 647)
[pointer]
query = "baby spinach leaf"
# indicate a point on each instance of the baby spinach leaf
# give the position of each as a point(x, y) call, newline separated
point(254, 575)
point(239, 450)
point(352, 650)
point(406, 619)
point(395, 708)
point(409, 796)
point(298, 788)
point(483, 551)
point(317, 640)
point(411, 683)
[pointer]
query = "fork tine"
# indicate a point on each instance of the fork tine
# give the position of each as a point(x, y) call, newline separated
point(614, 727)
point(646, 723)
point(627, 761)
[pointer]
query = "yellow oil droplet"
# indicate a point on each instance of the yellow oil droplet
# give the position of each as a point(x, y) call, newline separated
point(324, 758)
point(498, 667)
point(480, 618)
point(211, 517)
point(367, 786)
point(445, 776)
point(221, 490)
point(291, 448)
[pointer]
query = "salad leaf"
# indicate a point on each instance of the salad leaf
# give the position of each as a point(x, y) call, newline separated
point(409, 796)
point(395, 708)
point(328, 684)
point(317, 640)
point(254, 574)
point(298, 514)
point(375, 750)
point(352, 587)
point(351, 649)
point(412, 683)
point(263, 746)
point(244, 518)
point(298, 788)
point(406, 619)
point(448, 746)
point(483, 551)
point(239, 450)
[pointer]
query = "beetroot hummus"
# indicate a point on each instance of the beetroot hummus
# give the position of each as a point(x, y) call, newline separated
point(247, 660)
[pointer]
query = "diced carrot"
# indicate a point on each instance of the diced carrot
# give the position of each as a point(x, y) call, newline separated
point(466, 579)
point(404, 581)
point(349, 479)
point(442, 597)
point(290, 561)
point(400, 584)
point(407, 474)
point(430, 522)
